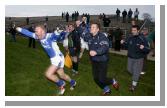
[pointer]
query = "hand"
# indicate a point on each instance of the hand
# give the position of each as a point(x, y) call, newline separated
point(122, 41)
point(92, 53)
point(141, 46)
point(18, 29)
point(66, 49)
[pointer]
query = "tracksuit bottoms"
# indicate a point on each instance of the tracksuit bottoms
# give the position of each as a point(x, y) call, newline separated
point(99, 71)
point(135, 68)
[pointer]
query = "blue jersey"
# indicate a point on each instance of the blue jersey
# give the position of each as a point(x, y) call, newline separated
point(49, 42)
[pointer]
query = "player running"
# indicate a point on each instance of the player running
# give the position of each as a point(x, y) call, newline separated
point(55, 71)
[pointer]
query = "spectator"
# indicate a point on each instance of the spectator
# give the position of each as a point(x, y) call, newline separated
point(136, 14)
point(13, 32)
point(138, 48)
point(73, 16)
point(133, 22)
point(98, 50)
point(124, 14)
point(110, 37)
point(85, 31)
point(118, 14)
point(67, 17)
point(62, 15)
point(78, 27)
point(46, 19)
point(104, 15)
point(106, 21)
point(130, 12)
point(100, 17)
point(145, 34)
point(117, 36)
point(31, 40)
point(77, 14)
point(74, 48)
point(151, 39)
point(27, 20)
point(88, 19)
point(46, 26)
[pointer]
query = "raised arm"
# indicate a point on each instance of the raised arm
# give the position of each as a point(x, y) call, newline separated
point(58, 36)
point(26, 32)
point(86, 36)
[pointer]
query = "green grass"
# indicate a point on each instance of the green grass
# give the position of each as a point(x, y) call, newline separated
point(25, 69)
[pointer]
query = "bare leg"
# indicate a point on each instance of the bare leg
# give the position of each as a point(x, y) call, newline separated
point(65, 77)
point(62, 75)
point(75, 59)
point(50, 73)
point(81, 53)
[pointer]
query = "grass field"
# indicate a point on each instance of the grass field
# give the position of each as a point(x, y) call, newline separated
point(25, 68)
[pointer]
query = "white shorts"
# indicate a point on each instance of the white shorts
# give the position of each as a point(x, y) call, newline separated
point(65, 42)
point(58, 61)
point(84, 45)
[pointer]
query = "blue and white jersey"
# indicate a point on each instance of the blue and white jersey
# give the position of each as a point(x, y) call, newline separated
point(49, 42)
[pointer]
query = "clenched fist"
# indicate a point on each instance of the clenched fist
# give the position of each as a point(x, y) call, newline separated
point(92, 53)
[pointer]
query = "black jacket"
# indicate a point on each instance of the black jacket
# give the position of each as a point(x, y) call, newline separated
point(106, 22)
point(13, 31)
point(75, 38)
point(124, 13)
point(100, 44)
point(132, 43)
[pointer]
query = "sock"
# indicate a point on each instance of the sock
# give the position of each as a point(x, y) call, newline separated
point(73, 70)
point(72, 82)
point(106, 89)
point(76, 66)
point(60, 83)
point(114, 81)
point(134, 83)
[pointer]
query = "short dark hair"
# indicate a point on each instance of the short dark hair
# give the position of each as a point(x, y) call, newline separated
point(97, 24)
point(83, 24)
point(41, 26)
point(71, 24)
point(136, 26)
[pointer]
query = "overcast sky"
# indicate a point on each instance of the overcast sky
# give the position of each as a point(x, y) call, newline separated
point(55, 10)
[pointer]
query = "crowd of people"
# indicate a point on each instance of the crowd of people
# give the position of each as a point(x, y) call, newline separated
point(83, 34)
point(74, 16)
point(127, 15)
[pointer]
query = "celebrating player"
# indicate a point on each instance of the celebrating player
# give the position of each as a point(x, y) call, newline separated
point(55, 71)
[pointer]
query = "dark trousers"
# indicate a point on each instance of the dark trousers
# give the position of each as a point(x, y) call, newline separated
point(117, 45)
point(67, 19)
point(74, 53)
point(99, 71)
point(129, 19)
point(31, 41)
point(136, 17)
point(144, 64)
point(13, 37)
point(124, 19)
point(118, 18)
